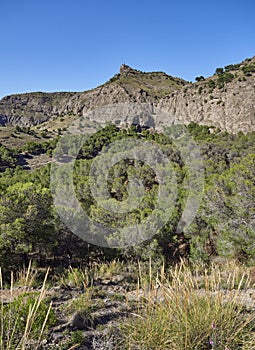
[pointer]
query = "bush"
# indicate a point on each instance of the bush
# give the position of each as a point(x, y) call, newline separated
point(44, 133)
point(201, 78)
point(232, 67)
point(225, 78)
point(248, 69)
point(211, 84)
point(219, 71)
point(18, 128)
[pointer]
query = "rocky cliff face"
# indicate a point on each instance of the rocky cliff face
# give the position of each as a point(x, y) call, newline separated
point(32, 108)
point(230, 108)
point(226, 100)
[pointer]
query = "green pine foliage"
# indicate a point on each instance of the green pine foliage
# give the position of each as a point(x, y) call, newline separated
point(224, 224)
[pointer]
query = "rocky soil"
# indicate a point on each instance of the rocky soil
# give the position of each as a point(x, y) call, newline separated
point(113, 304)
point(111, 301)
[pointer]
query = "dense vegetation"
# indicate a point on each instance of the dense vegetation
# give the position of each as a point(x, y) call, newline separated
point(165, 293)
point(224, 224)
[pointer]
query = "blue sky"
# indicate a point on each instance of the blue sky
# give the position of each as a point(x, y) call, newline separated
point(75, 45)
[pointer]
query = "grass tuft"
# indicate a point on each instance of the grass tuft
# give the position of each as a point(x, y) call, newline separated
point(186, 310)
point(25, 317)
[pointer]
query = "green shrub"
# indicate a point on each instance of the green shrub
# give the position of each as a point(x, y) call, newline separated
point(77, 338)
point(200, 78)
point(219, 71)
point(225, 78)
point(232, 67)
point(211, 84)
point(248, 69)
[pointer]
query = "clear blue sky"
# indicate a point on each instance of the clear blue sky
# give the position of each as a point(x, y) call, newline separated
point(75, 45)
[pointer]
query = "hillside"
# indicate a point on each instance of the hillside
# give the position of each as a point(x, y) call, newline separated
point(225, 100)
point(129, 85)
point(184, 220)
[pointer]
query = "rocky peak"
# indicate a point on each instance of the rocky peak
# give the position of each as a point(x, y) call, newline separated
point(127, 70)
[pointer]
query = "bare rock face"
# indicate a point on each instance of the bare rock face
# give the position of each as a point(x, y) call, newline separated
point(32, 108)
point(125, 69)
point(226, 101)
point(231, 108)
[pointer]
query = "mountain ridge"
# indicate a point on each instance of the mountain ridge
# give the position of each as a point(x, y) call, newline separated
point(226, 100)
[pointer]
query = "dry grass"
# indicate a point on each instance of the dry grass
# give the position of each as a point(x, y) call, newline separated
point(24, 318)
point(192, 309)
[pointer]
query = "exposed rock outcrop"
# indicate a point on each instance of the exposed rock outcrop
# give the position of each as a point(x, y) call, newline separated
point(225, 101)
point(231, 108)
